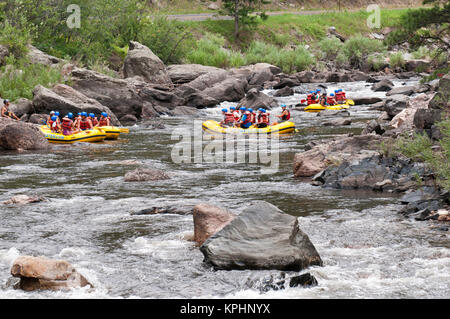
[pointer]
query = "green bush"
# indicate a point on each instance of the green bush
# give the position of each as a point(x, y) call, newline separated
point(16, 40)
point(376, 61)
point(18, 78)
point(419, 148)
point(289, 60)
point(358, 48)
point(170, 40)
point(396, 60)
point(330, 47)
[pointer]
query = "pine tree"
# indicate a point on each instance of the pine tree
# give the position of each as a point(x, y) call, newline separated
point(241, 11)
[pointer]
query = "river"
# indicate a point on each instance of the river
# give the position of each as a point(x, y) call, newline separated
point(368, 249)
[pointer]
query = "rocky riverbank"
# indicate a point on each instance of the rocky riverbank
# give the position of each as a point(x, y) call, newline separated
point(366, 161)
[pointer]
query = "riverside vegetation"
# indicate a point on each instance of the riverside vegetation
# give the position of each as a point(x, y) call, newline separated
point(293, 43)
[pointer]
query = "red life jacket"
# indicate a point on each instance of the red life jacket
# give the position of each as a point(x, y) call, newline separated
point(309, 99)
point(229, 118)
point(84, 125)
point(66, 124)
point(253, 118)
point(340, 96)
point(52, 125)
point(263, 118)
point(94, 121)
point(286, 117)
point(104, 121)
point(248, 117)
point(330, 100)
point(236, 115)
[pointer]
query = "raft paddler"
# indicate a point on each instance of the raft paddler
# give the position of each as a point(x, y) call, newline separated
point(236, 114)
point(67, 124)
point(285, 114)
point(54, 125)
point(104, 120)
point(331, 100)
point(5, 112)
point(228, 118)
point(93, 119)
point(262, 118)
point(84, 123)
point(245, 121)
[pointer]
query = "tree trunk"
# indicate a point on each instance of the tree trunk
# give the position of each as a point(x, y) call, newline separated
point(236, 19)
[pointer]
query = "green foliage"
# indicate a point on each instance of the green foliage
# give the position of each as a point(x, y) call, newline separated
point(376, 61)
point(330, 47)
point(396, 60)
point(420, 148)
point(424, 26)
point(358, 48)
point(241, 11)
point(19, 77)
point(170, 40)
point(288, 60)
point(16, 40)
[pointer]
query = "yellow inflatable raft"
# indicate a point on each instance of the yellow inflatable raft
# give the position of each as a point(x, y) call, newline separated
point(90, 136)
point(112, 132)
point(319, 107)
point(282, 128)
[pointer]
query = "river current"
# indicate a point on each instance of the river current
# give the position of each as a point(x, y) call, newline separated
point(368, 249)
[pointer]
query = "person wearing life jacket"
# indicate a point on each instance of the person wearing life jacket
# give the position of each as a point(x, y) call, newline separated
point(67, 124)
point(228, 118)
point(55, 127)
point(285, 114)
point(252, 116)
point(236, 114)
point(104, 120)
point(340, 97)
point(93, 119)
point(323, 99)
point(309, 98)
point(84, 123)
point(5, 112)
point(331, 100)
point(262, 118)
point(315, 97)
point(245, 121)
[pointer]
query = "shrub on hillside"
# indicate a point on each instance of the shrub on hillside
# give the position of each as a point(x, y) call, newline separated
point(358, 48)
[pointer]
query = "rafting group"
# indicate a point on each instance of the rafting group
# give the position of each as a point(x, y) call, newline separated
point(83, 128)
point(246, 120)
point(68, 125)
point(318, 101)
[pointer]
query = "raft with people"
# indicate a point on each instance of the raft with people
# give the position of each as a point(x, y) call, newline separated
point(245, 121)
point(84, 128)
point(317, 102)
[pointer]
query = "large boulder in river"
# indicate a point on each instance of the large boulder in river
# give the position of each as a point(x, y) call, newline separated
point(383, 85)
point(261, 237)
point(15, 135)
point(256, 99)
point(141, 61)
point(66, 99)
point(441, 100)
point(208, 220)
point(332, 152)
point(40, 273)
point(405, 90)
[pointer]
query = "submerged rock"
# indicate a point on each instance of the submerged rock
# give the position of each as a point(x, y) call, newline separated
point(23, 200)
point(261, 237)
point(305, 280)
point(40, 273)
point(145, 174)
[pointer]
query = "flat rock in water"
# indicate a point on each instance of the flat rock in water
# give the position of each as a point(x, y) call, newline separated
point(261, 237)
point(23, 199)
